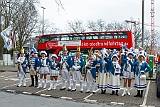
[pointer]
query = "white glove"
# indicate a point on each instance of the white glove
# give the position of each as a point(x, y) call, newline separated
point(74, 67)
point(78, 67)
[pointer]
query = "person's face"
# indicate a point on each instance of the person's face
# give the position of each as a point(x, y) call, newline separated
point(22, 54)
point(64, 52)
point(32, 54)
point(141, 58)
point(130, 56)
point(114, 59)
point(43, 55)
point(53, 58)
point(77, 54)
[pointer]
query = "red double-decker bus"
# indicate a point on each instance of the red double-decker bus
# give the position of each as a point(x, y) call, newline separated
point(53, 43)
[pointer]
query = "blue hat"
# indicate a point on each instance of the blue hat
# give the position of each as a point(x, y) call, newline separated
point(33, 50)
point(54, 56)
point(43, 52)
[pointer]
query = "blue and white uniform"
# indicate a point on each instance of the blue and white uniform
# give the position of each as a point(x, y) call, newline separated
point(54, 71)
point(115, 70)
point(91, 74)
point(103, 75)
point(44, 63)
point(22, 61)
point(33, 64)
point(140, 69)
point(55, 67)
point(66, 64)
point(78, 63)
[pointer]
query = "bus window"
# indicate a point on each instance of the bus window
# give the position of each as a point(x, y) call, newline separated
point(120, 36)
point(54, 38)
point(88, 37)
point(95, 37)
point(66, 37)
point(106, 36)
point(44, 39)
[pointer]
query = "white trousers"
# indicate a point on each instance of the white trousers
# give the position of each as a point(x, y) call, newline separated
point(76, 75)
point(90, 81)
point(66, 77)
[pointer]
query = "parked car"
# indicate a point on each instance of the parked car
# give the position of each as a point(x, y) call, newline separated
point(158, 80)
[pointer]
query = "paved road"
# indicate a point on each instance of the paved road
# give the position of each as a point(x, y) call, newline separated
point(20, 100)
point(8, 83)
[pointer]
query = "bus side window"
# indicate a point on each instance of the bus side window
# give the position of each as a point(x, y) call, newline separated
point(44, 39)
point(89, 37)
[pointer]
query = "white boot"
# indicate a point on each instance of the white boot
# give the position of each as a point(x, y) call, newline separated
point(45, 83)
point(124, 92)
point(63, 85)
point(20, 82)
point(128, 91)
point(74, 86)
point(55, 84)
point(24, 82)
point(88, 88)
point(40, 84)
point(51, 85)
point(81, 86)
point(93, 87)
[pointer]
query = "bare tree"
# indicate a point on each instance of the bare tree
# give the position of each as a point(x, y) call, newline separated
point(99, 25)
point(75, 26)
point(24, 19)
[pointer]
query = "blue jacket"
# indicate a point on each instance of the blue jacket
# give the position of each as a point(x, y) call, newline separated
point(93, 70)
point(34, 63)
point(24, 65)
point(48, 62)
point(139, 68)
point(67, 60)
point(55, 67)
point(80, 62)
point(110, 67)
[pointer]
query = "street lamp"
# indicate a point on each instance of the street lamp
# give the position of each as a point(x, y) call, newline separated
point(43, 20)
point(142, 23)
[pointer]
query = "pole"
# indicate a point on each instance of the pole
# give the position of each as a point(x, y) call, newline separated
point(43, 20)
point(142, 23)
point(0, 13)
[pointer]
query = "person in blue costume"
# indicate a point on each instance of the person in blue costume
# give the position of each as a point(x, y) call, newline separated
point(44, 63)
point(103, 75)
point(33, 64)
point(78, 63)
point(141, 68)
point(115, 69)
point(22, 62)
point(66, 64)
point(128, 72)
point(54, 72)
point(91, 71)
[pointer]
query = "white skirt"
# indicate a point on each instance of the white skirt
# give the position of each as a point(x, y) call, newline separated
point(114, 82)
point(140, 84)
point(128, 74)
point(54, 72)
point(44, 70)
point(103, 80)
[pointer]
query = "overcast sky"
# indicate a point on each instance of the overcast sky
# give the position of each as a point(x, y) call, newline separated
point(107, 10)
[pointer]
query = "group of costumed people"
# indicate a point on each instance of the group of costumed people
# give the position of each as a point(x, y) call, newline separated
point(109, 64)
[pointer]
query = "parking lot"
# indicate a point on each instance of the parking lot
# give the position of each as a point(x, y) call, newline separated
point(9, 81)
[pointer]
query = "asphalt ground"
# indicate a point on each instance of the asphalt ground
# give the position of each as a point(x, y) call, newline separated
point(9, 81)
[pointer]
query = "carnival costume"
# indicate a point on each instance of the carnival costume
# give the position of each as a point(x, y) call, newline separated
point(115, 70)
point(103, 75)
point(141, 67)
point(66, 64)
point(22, 61)
point(78, 63)
point(44, 64)
point(90, 71)
point(33, 64)
point(54, 71)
